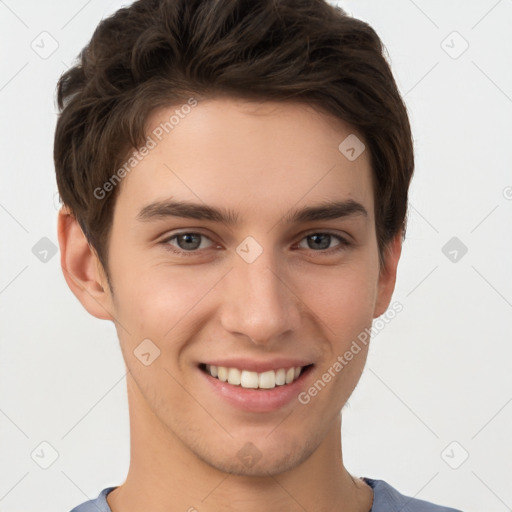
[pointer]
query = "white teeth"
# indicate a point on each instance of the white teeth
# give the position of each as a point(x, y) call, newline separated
point(234, 376)
point(253, 380)
point(267, 380)
point(222, 373)
point(280, 377)
point(249, 379)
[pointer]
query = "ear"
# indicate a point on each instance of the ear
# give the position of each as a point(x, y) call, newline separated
point(387, 275)
point(82, 269)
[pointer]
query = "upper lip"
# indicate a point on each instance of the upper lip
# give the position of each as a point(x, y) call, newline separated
point(254, 365)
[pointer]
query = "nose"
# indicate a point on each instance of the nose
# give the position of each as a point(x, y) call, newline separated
point(258, 301)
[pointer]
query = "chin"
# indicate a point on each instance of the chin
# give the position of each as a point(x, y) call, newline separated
point(253, 462)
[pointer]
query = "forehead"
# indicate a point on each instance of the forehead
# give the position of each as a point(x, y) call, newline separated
point(254, 157)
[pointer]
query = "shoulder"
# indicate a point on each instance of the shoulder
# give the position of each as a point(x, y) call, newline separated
point(388, 499)
point(98, 504)
point(385, 499)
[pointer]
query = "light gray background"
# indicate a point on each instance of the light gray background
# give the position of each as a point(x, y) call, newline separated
point(439, 373)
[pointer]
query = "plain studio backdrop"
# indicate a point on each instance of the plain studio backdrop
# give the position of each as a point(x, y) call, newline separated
point(432, 412)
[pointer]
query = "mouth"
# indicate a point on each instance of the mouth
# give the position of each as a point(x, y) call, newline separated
point(248, 379)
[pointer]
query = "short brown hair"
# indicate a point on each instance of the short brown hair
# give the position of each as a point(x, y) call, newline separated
point(157, 53)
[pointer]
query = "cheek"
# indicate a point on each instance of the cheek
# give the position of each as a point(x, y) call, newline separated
point(345, 308)
point(159, 300)
point(343, 298)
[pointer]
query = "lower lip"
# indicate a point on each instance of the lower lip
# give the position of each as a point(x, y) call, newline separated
point(258, 400)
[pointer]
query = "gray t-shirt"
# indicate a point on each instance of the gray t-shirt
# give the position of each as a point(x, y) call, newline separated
point(385, 499)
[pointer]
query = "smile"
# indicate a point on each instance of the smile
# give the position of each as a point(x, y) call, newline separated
point(254, 380)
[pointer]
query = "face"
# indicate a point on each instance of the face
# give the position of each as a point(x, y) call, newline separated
point(243, 245)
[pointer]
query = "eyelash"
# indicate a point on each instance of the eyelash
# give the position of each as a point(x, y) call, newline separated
point(343, 243)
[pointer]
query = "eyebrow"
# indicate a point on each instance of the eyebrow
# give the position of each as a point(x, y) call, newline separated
point(324, 211)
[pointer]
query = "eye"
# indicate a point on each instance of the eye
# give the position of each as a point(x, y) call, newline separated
point(187, 242)
point(322, 242)
point(191, 243)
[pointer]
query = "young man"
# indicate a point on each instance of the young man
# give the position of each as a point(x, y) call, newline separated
point(234, 176)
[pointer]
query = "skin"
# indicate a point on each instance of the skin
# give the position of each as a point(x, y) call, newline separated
point(261, 160)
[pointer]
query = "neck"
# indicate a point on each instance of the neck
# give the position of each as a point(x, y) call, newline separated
point(165, 475)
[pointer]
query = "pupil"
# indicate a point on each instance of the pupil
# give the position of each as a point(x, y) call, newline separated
point(318, 238)
point(188, 239)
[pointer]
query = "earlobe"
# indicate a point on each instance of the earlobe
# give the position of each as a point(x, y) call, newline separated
point(81, 267)
point(387, 276)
